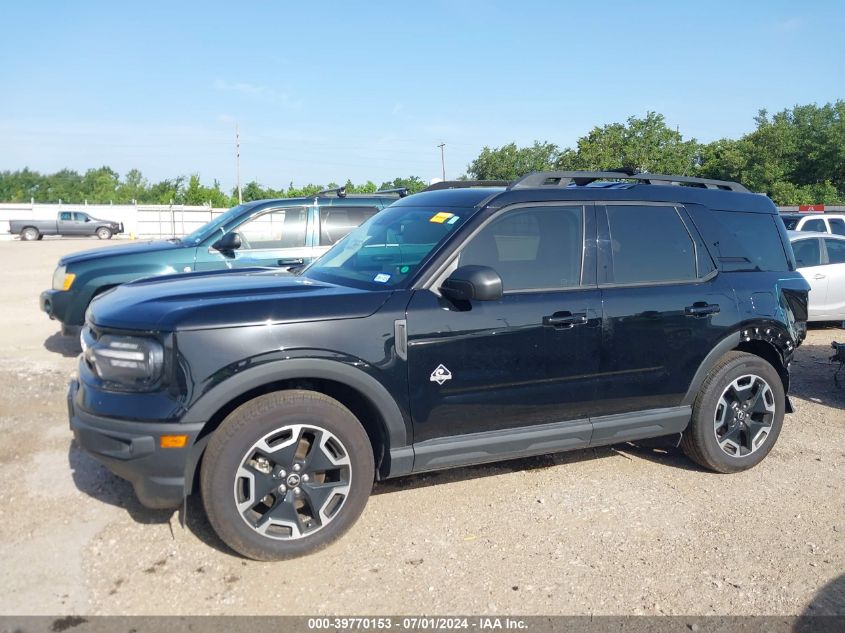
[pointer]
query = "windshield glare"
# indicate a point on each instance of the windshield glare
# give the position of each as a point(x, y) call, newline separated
point(215, 225)
point(387, 249)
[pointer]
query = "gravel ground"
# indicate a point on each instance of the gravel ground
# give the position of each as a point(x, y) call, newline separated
point(621, 530)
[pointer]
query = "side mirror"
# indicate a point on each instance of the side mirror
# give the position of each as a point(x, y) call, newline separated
point(229, 242)
point(481, 283)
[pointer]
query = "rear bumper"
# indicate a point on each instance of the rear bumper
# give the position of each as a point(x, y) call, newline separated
point(131, 451)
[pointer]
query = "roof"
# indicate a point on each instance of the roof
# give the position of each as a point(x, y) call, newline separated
point(794, 235)
point(607, 187)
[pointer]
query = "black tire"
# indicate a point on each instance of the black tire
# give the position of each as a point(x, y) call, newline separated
point(104, 233)
point(30, 233)
point(703, 438)
point(229, 476)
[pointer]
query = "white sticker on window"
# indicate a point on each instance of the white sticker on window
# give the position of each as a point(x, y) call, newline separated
point(382, 278)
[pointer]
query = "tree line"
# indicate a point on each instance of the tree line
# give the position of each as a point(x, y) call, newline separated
point(796, 156)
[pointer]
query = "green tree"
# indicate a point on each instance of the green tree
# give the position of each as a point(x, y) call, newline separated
point(510, 162)
point(645, 144)
point(414, 184)
point(133, 187)
point(796, 156)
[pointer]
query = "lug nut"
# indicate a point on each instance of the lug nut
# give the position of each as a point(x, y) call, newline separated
point(306, 478)
point(297, 490)
point(283, 488)
point(282, 473)
point(297, 468)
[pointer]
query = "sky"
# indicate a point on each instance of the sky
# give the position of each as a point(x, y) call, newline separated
point(325, 91)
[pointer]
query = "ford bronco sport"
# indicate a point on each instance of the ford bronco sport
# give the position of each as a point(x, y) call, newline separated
point(460, 325)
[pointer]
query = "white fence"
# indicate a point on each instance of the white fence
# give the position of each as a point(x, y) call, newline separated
point(139, 220)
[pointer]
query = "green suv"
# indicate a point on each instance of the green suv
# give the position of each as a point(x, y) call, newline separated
point(266, 233)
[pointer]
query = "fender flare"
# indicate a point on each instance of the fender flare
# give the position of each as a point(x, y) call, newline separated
point(749, 332)
point(397, 428)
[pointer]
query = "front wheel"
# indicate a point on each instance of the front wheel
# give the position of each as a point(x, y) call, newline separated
point(30, 233)
point(286, 474)
point(737, 416)
point(104, 233)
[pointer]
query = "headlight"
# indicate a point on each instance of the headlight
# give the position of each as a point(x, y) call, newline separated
point(127, 361)
point(62, 280)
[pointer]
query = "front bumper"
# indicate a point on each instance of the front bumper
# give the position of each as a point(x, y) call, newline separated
point(131, 451)
point(58, 305)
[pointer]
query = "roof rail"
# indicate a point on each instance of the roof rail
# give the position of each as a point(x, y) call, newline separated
point(582, 178)
point(466, 184)
point(340, 191)
point(402, 191)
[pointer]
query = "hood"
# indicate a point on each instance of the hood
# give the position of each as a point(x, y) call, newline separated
point(134, 248)
point(229, 298)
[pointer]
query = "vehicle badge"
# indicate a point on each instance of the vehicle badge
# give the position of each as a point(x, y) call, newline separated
point(441, 375)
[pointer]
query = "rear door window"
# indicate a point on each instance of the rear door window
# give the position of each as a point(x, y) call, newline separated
point(807, 252)
point(650, 244)
point(837, 226)
point(337, 222)
point(835, 251)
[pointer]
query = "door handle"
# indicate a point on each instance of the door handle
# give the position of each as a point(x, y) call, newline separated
point(819, 276)
point(291, 261)
point(700, 308)
point(565, 320)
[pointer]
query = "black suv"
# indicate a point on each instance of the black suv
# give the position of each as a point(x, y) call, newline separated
point(459, 325)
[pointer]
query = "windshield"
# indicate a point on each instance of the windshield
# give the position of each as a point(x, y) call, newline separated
point(215, 225)
point(388, 248)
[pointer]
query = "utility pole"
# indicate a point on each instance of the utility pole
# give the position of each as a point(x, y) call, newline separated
point(238, 162)
point(442, 160)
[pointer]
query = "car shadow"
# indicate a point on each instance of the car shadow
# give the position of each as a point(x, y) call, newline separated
point(825, 612)
point(67, 346)
point(96, 481)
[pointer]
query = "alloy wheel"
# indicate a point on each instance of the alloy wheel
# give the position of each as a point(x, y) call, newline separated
point(293, 481)
point(744, 415)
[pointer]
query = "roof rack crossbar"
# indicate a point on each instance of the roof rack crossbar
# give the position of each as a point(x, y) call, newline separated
point(340, 191)
point(402, 191)
point(466, 184)
point(583, 178)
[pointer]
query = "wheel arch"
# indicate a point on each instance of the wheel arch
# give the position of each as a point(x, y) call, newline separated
point(759, 340)
point(363, 395)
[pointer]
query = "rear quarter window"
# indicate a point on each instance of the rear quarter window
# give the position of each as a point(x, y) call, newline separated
point(757, 242)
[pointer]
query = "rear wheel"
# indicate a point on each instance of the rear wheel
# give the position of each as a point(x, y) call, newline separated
point(30, 233)
point(286, 474)
point(104, 233)
point(737, 415)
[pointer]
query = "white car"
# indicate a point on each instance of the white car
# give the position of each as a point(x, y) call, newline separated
point(821, 222)
point(821, 259)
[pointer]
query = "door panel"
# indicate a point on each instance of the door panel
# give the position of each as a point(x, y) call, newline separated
point(529, 358)
point(835, 272)
point(809, 256)
point(664, 306)
point(505, 367)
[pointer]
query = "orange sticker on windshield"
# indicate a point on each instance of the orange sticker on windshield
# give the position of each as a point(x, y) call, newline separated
point(441, 217)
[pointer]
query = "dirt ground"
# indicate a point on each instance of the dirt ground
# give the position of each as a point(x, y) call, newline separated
point(622, 530)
